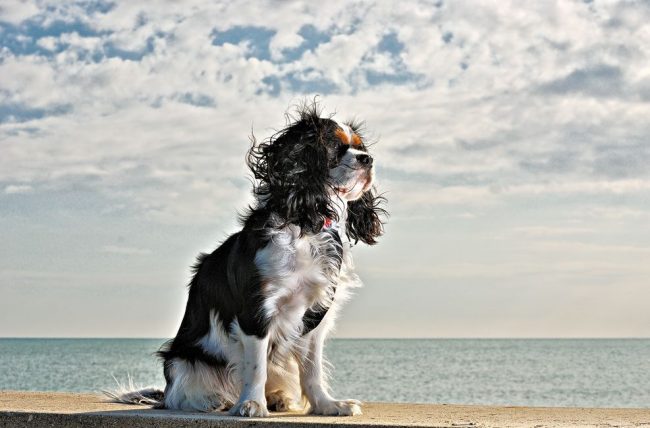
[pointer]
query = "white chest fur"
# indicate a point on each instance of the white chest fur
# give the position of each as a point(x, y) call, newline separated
point(297, 273)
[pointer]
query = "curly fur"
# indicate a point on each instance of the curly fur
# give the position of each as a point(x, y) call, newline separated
point(292, 168)
point(364, 218)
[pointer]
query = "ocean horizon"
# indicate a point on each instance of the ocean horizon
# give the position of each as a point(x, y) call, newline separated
point(567, 372)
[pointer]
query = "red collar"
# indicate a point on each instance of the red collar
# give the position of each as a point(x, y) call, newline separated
point(327, 223)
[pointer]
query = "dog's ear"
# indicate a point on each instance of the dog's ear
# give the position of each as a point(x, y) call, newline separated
point(365, 218)
point(293, 172)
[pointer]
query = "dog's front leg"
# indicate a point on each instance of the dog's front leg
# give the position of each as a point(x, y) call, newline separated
point(252, 401)
point(312, 380)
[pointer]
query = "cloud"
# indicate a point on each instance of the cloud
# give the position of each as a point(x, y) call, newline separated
point(597, 80)
point(16, 11)
point(22, 113)
point(293, 45)
point(622, 159)
point(559, 162)
point(256, 40)
point(457, 95)
point(13, 189)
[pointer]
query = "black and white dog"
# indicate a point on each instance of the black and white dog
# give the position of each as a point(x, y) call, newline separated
point(261, 305)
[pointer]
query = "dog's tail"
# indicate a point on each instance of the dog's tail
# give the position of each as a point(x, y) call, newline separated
point(129, 393)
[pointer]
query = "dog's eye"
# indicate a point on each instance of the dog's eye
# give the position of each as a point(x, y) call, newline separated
point(338, 154)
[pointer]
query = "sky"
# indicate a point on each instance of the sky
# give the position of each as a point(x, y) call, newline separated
point(511, 140)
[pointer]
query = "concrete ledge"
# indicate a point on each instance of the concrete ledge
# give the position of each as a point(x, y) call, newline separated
point(36, 409)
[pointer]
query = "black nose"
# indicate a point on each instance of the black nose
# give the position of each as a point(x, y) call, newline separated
point(364, 160)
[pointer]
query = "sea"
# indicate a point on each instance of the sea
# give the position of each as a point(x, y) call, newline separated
point(519, 372)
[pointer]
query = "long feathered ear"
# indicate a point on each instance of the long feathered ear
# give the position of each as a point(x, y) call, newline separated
point(293, 172)
point(365, 218)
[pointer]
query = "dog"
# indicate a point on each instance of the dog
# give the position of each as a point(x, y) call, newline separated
point(261, 305)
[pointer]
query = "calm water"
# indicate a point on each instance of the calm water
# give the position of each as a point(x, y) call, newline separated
point(583, 372)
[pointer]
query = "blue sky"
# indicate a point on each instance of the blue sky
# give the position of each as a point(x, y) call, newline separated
point(511, 142)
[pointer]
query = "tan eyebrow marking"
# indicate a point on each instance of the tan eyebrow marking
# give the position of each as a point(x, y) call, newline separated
point(356, 140)
point(343, 136)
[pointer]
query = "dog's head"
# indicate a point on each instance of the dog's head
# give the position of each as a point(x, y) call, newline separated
point(305, 168)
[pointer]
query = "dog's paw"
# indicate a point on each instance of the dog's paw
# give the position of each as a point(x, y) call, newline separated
point(250, 408)
point(337, 408)
point(279, 401)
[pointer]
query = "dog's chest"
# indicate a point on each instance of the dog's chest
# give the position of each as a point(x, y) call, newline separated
point(298, 275)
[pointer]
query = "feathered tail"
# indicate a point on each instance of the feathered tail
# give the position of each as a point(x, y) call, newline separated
point(130, 393)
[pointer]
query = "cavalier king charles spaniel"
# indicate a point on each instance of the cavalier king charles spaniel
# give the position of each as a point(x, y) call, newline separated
point(261, 305)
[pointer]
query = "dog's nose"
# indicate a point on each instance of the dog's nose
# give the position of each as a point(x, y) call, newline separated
point(364, 160)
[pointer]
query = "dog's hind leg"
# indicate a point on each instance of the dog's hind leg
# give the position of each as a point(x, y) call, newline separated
point(198, 386)
point(283, 391)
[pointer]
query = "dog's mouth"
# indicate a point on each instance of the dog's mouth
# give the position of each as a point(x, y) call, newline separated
point(368, 179)
point(367, 185)
point(365, 180)
point(342, 190)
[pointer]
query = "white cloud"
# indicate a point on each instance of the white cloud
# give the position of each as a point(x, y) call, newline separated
point(13, 189)
point(16, 11)
point(478, 128)
point(49, 43)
